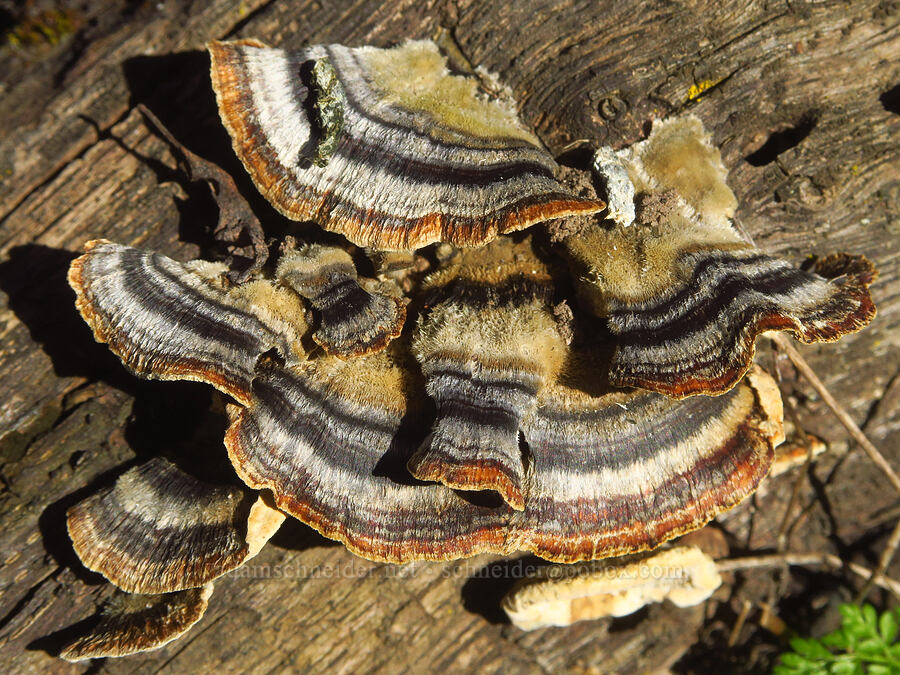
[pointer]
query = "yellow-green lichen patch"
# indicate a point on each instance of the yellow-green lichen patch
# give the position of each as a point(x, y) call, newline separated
point(697, 89)
point(329, 109)
point(47, 28)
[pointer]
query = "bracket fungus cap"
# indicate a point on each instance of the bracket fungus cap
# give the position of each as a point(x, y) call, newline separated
point(421, 155)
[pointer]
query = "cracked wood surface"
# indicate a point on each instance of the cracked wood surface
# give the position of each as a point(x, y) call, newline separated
point(77, 161)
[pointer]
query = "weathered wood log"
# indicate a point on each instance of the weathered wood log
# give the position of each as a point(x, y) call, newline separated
point(802, 98)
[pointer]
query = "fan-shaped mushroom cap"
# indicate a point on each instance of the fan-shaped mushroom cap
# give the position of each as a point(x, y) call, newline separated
point(138, 623)
point(352, 320)
point(679, 156)
point(558, 596)
point(684, 294)
point(417, 156)
point(174, 321)
point(332, 439)
point(635, 468)
point(159, 530)
point(604, 472)
point(487, 344)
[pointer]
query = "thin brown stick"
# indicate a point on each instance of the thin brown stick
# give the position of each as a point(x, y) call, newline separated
point(769, 619)
point(886, 556)
point(781, 575)
point(807, 560)
point(739, 623)
point(801, 365)
point(785, 526)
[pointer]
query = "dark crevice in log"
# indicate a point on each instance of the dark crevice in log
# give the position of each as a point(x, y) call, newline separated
point(781, 141)
point(891, 99)
point(623, 624)
point(7, 21)
point(234, 31)
point(22, 603)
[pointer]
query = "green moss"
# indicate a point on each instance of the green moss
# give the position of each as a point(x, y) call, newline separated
point(47, 28)
point(329, 106)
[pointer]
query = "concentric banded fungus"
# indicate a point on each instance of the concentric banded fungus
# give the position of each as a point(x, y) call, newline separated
point(158, 530)
point(421, 156)
point(559, 597)
point(332, 439)
point(352, 320)
point(487, 345)
point(137, 300)
point(685, 295)
point(139, 623)
point(586, 496)
point(621, 472)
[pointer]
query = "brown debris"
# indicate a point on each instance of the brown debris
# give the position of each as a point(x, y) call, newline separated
point(653, 209)
point(564, 316)
point(236, 218)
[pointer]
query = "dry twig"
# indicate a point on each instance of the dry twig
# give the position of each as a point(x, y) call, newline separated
point(784, 344)
point(806, 370)
point(807, 560)
point(746, 606)
point(886, 556)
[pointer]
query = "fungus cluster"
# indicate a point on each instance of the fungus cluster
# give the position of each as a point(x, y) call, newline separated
point(577, 392)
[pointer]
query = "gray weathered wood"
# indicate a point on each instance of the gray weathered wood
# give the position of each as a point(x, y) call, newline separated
point(78, 162)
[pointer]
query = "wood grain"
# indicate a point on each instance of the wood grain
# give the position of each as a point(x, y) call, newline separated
point(77, 162)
